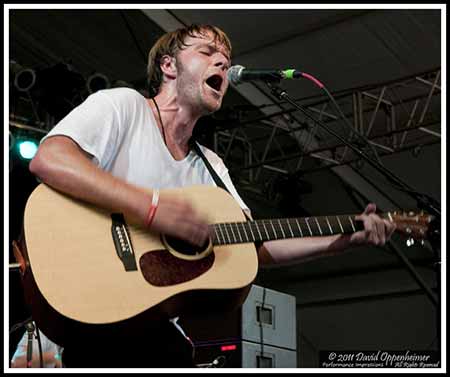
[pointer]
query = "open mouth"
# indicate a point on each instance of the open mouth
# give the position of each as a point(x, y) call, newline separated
point(215, 82)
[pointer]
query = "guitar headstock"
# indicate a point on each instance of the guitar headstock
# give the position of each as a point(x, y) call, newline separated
point(416, 226)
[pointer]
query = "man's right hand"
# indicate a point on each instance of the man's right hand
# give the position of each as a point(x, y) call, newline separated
point(178, 218)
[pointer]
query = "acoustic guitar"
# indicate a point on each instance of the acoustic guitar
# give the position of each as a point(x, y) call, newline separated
point(86, 270)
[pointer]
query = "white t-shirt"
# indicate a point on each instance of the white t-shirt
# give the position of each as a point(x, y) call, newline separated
point(119, 129)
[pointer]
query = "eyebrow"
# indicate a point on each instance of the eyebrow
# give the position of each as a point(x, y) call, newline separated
point(212, 46)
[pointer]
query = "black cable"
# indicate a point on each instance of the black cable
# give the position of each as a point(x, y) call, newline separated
point(346, 121)
point(280, 105)
point(133, 35)
point(38, 337)
point(423, 198)
point(394, 181)
point(398, 185)
point(345, 92)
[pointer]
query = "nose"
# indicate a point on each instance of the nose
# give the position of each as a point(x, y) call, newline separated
point(221, 61)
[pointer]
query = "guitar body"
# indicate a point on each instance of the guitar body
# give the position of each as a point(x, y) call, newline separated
point(77, 285)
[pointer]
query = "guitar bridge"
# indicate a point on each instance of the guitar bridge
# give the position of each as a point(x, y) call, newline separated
point(122, 242)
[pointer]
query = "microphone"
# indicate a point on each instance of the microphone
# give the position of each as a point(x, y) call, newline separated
point(238, 74)
point(30, 329)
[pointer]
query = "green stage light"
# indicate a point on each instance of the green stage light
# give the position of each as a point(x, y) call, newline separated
point(27, 149)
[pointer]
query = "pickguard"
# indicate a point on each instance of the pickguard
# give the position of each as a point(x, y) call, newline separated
point(161, 268)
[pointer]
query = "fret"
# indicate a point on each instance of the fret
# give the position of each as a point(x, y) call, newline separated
point(329, 226)
point(222, 233)
point(251, 231)
point(257, 228)
point(339, 221)
point(238, 232)
point(232, 231)
point(275, 235)
point(351, 222)
point(299, 227)
point(246, 235)
point(290, 229)
point(320, 229)
point(307, 223)
point(217, 235)
point(267, 234)
point(226, 231)
point(220, 230)
point(281, 226)
point(228, 234)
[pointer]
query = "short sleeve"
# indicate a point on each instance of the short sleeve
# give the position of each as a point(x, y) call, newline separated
point(95, 125)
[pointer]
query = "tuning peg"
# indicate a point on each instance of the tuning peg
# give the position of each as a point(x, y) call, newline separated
point(410, 242)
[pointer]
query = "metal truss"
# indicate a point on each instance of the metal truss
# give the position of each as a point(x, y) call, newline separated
point(380, 119)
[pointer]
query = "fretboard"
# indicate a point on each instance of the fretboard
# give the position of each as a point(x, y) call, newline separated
point(265, 230)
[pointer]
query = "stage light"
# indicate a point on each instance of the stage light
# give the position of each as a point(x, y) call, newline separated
point(27, 148)
point(25, 80)
point(24, 141)
point(97, 81)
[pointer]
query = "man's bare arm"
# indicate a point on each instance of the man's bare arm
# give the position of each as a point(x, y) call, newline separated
point(377, 231)
point(63, 165)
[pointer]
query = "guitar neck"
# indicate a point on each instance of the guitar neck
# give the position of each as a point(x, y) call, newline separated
point(266, 230)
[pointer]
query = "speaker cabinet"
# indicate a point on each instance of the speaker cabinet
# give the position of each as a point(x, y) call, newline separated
point(260, 334)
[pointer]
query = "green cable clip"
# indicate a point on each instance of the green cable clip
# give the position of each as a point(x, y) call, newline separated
point(289, 73)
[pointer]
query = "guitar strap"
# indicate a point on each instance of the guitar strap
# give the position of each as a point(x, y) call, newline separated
point(211, 170)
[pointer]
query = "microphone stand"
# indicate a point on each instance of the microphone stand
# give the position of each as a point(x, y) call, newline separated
point(30, 330)
point(425, 202)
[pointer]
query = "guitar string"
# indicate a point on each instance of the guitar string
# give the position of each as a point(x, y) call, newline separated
point(276, 225)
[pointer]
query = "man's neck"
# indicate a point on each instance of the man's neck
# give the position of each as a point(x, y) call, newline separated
point(178, 120)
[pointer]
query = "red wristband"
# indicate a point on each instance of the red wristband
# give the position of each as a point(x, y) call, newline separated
point(152, 209)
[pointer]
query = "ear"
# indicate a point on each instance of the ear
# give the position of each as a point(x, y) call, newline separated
point(168, 66)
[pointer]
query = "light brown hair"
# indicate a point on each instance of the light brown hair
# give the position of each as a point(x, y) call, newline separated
point(172, 42)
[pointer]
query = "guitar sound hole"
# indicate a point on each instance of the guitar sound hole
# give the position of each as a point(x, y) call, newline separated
point(184, 247)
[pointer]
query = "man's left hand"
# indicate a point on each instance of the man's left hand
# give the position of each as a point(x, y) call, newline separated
point(377, 231)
